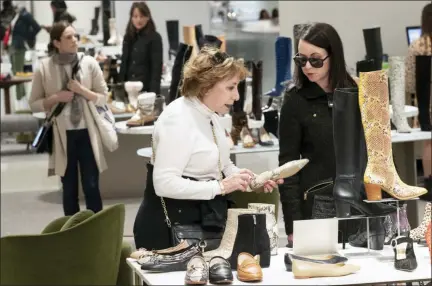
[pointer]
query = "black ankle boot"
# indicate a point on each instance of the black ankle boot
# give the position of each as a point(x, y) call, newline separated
point(373, 43)
point(252, 237)
point(376, 234)
point(173, 37)
point(176, 72)
point(423, 91)
point(95, 22)
point(257, 68)
point(199, 33)
point(351, 157)
point(405, 259)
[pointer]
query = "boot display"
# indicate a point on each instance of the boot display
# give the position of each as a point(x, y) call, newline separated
point(257, 69)
point(115, 38)
point(405, 259)
point(373, 44)
point(272, 227)
point(424, 91)
point(133, 89)
point(391, 225)
point(380, 171)
point(189, 38)
point(376, 234)
point(350, 157)
point(238, 116)
point(145, 112)
point(283, 52)
point(95, 22)
point(397, 93)
point(286, 170)
point(173, 37)
point(176, 73)
point(419, 232)
point(226, 246)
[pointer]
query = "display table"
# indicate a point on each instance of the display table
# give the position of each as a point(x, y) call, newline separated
point(376, 267)
point(6, 85)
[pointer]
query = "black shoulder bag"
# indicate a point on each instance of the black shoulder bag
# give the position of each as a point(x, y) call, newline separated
point(43, 141)
point(208, 238)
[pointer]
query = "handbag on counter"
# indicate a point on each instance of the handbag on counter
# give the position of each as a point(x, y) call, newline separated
point(320, 196)
point(208, 238)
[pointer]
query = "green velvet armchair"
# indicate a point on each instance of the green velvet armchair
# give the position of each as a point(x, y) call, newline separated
point(84, 249)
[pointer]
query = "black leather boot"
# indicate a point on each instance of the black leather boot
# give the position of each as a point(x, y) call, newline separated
point(210, 40)
point(238, 116)
point(176, 73)
point(173, 37)
point(198, 33)
point(95, 22)
point(365, 66)
point(351, 157)
point(423, 91)
point(373, 43)
point(376, 234)
point(257, 68)
point(252, 237)
point(405, 259)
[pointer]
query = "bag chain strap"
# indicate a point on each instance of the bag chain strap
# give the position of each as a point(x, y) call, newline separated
point(167, 220)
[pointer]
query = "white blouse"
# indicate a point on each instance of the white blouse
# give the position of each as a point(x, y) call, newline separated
point(184, 146)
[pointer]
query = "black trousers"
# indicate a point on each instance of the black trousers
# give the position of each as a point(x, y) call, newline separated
point(79, 151)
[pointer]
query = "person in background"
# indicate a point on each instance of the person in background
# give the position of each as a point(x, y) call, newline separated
point(275, 13)
point(264, 15)
point(142, 57)
point(421, 47)
point(306, 126)
point(76, 80)
point(60, 13)
point(195, 182)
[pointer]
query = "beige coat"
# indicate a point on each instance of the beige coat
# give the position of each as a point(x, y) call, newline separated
point(46, 82)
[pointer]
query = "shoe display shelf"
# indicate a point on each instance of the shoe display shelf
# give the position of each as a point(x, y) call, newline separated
point(376, 267)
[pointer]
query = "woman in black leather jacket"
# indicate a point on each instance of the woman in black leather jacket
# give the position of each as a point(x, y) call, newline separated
point(306, 127)
point(142, 58)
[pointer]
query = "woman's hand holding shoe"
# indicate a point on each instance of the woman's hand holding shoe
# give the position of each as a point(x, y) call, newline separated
point(239, 181)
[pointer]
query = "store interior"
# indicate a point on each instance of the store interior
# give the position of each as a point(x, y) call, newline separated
point(390, 244)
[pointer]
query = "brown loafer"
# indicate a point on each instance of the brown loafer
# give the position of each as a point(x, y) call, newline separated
point(248, 268)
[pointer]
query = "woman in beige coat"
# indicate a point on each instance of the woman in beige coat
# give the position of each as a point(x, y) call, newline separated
point(74, 79)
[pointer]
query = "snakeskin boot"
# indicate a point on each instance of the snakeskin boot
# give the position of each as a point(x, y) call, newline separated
point(380, 170)
point(397, 91)
point(419, 232)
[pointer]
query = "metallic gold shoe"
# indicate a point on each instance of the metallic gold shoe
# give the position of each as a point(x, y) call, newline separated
point(380, 172)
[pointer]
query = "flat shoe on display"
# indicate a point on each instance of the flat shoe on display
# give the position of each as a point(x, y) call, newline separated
point(176, 261)
point(247, 138)
point(264, 138)
point(248, 268)
point(405, 259)
point(144, 252)
point(380, 171)
point(306, 269)
point(220, 271)
point(286, 170)
point(320, 259)
point(197, 271)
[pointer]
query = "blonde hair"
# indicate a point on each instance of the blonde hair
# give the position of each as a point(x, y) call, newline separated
point(207, 68)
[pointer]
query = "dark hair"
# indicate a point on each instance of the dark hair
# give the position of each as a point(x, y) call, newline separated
point(145, 11)
point(275, 13)
point(325, 36)
point(264, 15)
point(426, 20)
point(56, 32)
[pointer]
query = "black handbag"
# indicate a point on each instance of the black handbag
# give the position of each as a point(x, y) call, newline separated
point(208, 238)
point(43, 141)
point(320, 198)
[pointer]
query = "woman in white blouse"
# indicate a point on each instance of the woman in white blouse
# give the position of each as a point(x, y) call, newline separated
point(191, 168)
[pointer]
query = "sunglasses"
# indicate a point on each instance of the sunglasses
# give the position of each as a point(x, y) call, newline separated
point(301, 61)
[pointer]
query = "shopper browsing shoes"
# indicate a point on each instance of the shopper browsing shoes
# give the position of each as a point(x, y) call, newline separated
point(190, 169)
point(70, 78)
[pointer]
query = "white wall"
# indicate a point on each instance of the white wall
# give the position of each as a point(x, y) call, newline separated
point(187, 12)
point(350, 17)
point(249, 10)
point(82, 10)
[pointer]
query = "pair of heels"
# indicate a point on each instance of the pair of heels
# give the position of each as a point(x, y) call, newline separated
point(304, 267)
point(250, 138)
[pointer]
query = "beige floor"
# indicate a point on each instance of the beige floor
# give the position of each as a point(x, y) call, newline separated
point(30, 199)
